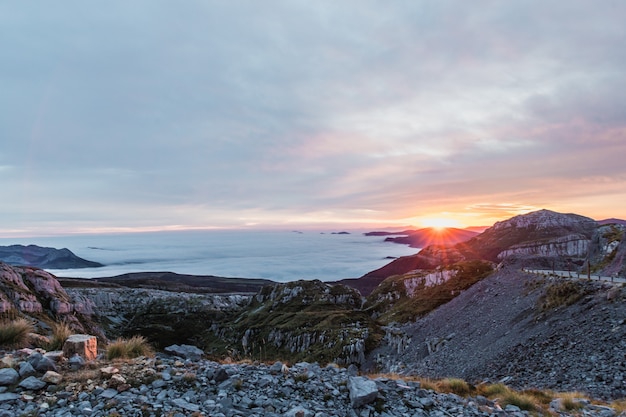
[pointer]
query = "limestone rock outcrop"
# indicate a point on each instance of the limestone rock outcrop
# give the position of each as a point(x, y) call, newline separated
point(29, 291)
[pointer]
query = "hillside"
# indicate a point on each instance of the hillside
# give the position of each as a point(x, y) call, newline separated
point(519, 327)
point(42, 257)
point(542, 239)
point(171, 281)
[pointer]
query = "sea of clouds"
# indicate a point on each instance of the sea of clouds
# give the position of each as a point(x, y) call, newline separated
point(277, 255)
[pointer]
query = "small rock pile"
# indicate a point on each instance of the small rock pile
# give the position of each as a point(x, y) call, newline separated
point(44, 384)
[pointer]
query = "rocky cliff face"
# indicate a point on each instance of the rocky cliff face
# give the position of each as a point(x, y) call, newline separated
point(34, 293)
point(573, 246)
point(608, 250)
point(403, 298)
point(303, 320)
point(163, 316)
point(541, 233)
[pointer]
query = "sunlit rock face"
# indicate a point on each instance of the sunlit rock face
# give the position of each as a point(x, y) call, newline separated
point(543, 233)
point(549, 221)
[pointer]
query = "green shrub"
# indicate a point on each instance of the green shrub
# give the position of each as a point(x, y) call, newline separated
point(561, 293)
point(129, 348)
point(15, 333)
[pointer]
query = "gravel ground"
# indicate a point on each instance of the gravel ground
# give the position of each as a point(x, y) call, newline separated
point(494, 331)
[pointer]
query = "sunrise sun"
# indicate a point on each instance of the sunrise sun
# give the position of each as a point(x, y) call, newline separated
point(440, 223)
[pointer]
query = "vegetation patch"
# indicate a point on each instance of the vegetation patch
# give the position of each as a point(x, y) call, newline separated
point(454, 385)
point(129, 348)
point(561, 293)
point(297, 321)
point(60, 333)
point(391, 302)
point(14, 333)
point(523, 401)
point(614, 234)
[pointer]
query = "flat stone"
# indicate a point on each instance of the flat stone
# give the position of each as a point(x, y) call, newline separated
point(9, 376)
point(52, 377)
point(41, 363)
point(55, 355)
point(109, 371)
point(185, 405)
point(185, 351)
point(362, 390)
point(8, 396)
point(108, 393)
point(26, 369)
point(33, 384)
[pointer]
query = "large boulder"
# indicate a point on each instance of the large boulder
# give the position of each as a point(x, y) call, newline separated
point(82, 344)
point(185, 351)
point(32, 384)
point(9, 376)
point(362, 390)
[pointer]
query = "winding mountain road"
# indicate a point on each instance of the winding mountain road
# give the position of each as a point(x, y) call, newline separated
point(573, 275)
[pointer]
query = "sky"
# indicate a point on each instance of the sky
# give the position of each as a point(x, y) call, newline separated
point(150, 114)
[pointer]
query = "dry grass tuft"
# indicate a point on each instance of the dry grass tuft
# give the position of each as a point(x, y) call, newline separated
point(492, 390)
point(571, 401)
point(523, 401)
point(60, 333)
point(454, 385)
point(129, 348)
point(14, 334)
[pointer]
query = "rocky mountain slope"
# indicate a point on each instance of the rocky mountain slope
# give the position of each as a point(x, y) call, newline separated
point(529, 330)
point(543, 239)
point(41, 257)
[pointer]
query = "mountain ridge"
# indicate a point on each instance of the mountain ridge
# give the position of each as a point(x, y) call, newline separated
point(544, 238)
point(44, 257)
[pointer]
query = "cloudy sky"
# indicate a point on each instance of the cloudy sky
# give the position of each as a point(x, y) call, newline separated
point(154, 114)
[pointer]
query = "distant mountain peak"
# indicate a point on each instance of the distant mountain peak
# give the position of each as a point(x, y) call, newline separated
point(545, 219)
point(43, 257)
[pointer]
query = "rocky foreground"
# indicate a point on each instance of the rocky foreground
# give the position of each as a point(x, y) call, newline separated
point(170, 385)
